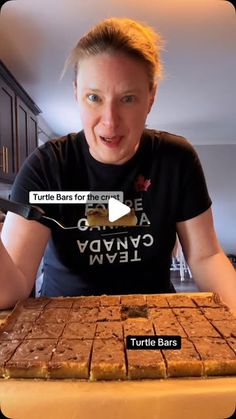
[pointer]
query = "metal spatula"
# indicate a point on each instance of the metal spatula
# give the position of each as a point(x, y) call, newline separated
point(30, 212)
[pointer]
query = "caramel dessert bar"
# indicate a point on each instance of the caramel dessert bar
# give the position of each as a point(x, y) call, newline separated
point(111, 313)
point(221, 313)
point(133, 300)
point(83, 315)
point(26, 314)
point(166, 327)
point(133, 327)
point(108, 360)
point(154, 300)
point(7, 349)
point(36, 303)
point(15, 331)
point(99, 217)
point(79, 331)
point(184, 362)
point(199, 329)
point(165, 314)
point(31, 359)
point(45, 331)
point(145, 364)
point(217, 356)
point(109, 330)
point(226, 328)
point(189, 314)
point(180, 301)
point(60, 302)
point(71, 359)
point(110, 300)
point(53, 315)
point(90, 301)
point(213, 300)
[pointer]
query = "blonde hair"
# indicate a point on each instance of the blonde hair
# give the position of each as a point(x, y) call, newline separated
point(128, 36)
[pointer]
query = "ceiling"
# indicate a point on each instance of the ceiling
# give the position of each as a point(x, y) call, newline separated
point(197, 96)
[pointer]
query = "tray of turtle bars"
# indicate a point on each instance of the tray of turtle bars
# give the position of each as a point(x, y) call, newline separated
point(85, 338)
point(66, 345)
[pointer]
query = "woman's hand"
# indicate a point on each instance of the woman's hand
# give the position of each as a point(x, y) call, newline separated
point(211, 269)
point(2, 217)
point(22, 246)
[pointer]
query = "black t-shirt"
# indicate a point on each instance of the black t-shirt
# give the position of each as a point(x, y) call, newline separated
point(163, 182)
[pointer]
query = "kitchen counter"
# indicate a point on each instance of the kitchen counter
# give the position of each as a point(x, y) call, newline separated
point(212, 398)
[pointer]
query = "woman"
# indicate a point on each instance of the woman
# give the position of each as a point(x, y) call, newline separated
point(117, 67)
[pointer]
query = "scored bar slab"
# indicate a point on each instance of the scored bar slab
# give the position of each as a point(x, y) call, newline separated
point(59, 337)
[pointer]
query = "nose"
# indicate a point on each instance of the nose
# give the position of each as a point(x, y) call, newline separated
point(110, 115)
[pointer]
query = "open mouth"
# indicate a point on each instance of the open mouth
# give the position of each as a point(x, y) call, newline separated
point(111, 141)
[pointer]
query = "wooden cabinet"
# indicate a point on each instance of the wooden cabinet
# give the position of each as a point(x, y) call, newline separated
point(18, 125)
point(7, 132)
point(26, 128)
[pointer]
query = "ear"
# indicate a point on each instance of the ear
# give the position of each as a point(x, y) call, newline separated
point(75, 90)
point(152, 97)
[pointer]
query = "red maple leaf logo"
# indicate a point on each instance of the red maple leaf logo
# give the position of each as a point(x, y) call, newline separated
point(141, 184)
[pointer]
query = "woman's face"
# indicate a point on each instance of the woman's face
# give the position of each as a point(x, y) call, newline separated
point(114, 98)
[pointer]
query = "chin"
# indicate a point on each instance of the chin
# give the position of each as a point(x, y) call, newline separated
point(116, 159)
point(111, 160)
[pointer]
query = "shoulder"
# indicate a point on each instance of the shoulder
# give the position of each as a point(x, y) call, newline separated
point(169, 144)
point(56, 150)
point(167, 139)
point(64, 143)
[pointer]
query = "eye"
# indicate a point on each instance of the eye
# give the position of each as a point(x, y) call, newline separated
point(128, 99)
point(93, 97)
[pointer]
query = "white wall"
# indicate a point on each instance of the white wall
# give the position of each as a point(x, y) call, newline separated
point(5, 190)
point(45, 132)
point(219, 164)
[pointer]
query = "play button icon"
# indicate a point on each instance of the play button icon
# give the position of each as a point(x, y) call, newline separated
point(116, 209)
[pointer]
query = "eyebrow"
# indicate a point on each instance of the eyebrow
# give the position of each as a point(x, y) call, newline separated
point(132, 90)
